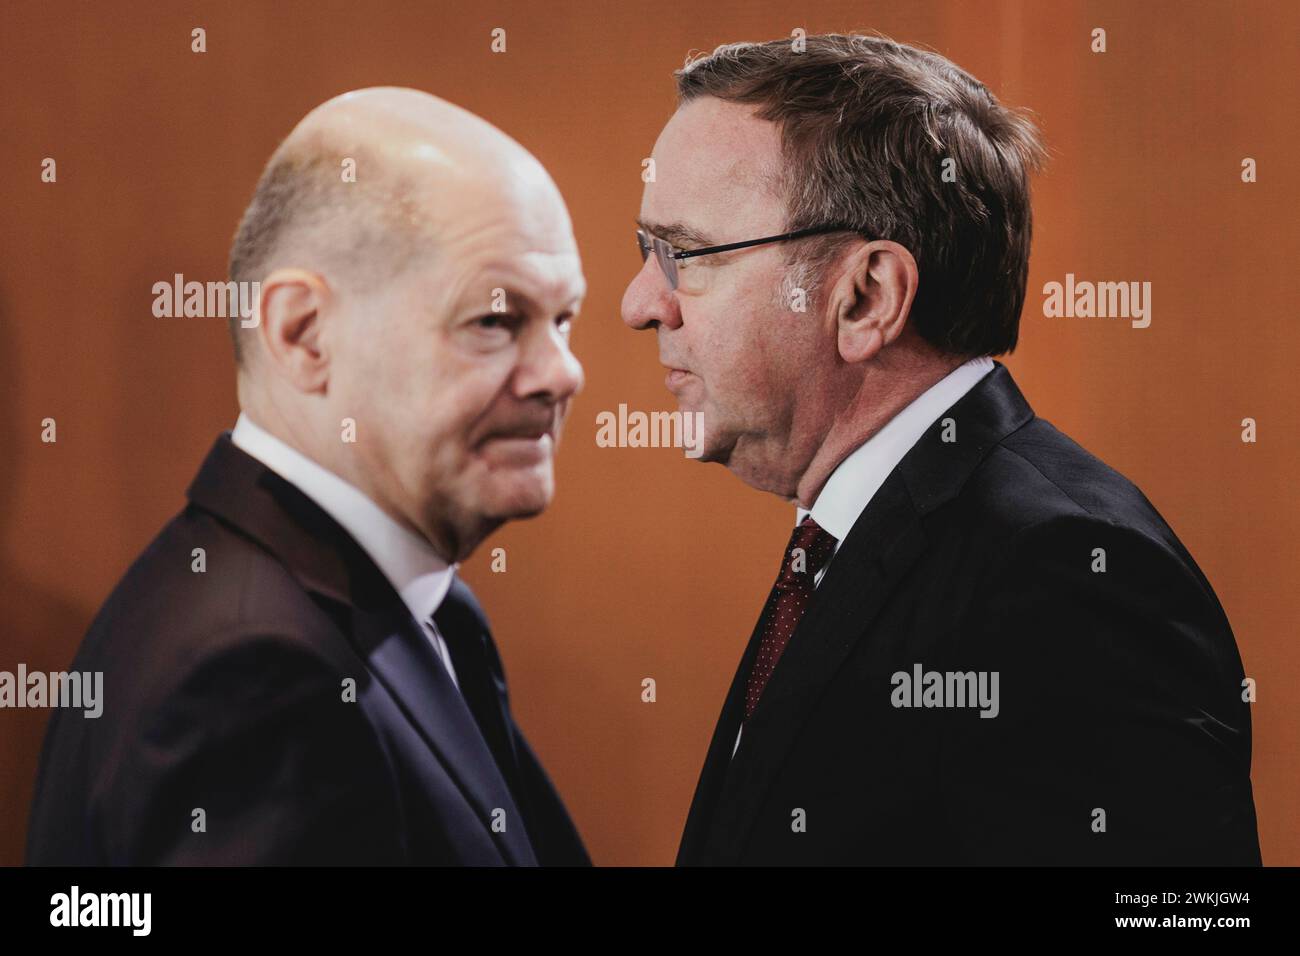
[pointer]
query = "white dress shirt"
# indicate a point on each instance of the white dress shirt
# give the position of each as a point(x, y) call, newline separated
point(419, 576)
point(856, 479)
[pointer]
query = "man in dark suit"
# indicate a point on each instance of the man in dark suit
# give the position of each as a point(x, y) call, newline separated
point(292, 672)
point(984, 646)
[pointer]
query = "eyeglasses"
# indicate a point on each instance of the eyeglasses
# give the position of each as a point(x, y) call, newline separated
point(669, 255)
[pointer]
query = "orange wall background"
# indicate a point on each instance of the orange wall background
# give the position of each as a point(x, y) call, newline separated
point(648, 564)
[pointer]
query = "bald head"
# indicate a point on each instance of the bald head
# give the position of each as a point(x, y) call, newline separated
point(417, 278)
point(368, 180)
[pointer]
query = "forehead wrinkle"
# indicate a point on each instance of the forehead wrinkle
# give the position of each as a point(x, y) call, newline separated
point(728, 161)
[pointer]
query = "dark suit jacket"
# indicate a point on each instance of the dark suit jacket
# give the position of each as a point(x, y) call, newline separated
point(224, 691)
point(1120, 691)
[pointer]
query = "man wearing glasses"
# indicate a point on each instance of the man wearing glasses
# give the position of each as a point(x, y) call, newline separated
point(983, 645)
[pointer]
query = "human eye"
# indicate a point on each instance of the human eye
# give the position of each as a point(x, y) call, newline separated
point(498, 320)
point(494, 328)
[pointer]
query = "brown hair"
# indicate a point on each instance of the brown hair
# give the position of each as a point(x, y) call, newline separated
point(866, 125)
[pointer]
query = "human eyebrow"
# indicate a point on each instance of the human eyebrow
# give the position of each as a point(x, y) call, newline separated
point(678, 233)
point(571, 296)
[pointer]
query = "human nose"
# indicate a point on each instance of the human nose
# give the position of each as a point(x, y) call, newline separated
point(549, 368)
point(647, 301)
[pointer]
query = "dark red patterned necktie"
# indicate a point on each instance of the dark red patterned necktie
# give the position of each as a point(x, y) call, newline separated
point(809, 549)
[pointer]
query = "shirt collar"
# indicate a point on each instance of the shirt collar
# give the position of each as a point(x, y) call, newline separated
point(858, 477)
point(417, 573)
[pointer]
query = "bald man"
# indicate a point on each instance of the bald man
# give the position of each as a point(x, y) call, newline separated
point(293, 674)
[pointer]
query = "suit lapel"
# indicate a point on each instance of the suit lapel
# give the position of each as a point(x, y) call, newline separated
point(400, 656)
point(856, 586)
point(718, 759)
point(885, 542)
point(241, 491)
point(480, 676)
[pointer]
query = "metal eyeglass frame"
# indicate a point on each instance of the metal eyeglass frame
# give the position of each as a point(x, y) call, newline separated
point(667, 255)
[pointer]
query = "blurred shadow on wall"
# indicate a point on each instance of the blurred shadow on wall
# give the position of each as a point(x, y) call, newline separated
point(39, 627)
